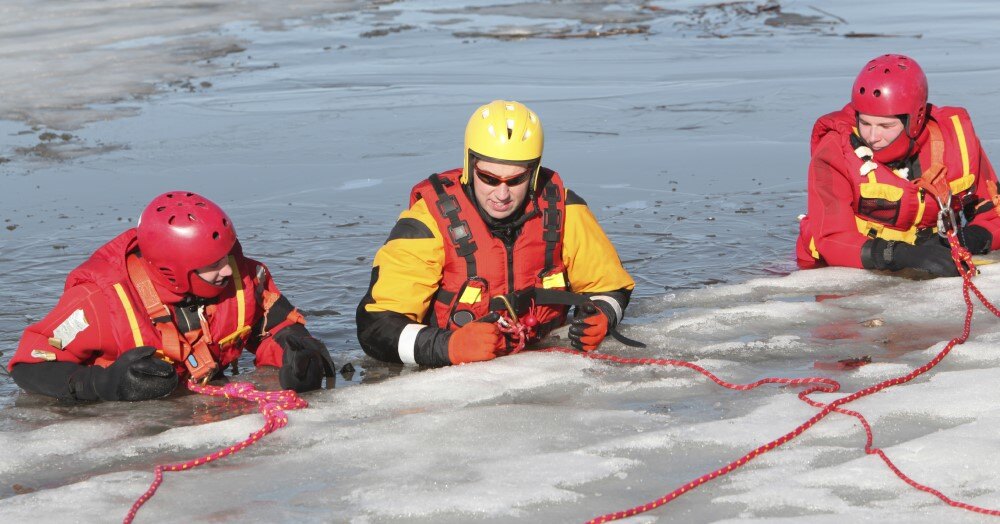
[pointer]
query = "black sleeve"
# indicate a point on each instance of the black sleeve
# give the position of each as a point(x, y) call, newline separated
point(53, 379)
point(378, 334)
point(621, 296)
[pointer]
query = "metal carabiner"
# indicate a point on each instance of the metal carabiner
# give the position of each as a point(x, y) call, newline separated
point(510, 308)
point(946, 212)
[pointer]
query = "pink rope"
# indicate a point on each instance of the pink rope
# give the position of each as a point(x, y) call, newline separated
point(963, 260)
point(270, 403)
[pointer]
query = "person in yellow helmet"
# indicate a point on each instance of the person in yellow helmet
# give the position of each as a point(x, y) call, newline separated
point(495, 244)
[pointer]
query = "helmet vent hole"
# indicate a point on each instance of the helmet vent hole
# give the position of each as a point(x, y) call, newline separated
point(215, 235)
point(861, 91)
point(171, 219)
point(877, 93)
point(168, 274)
point(225, 222)
point(161, 208)
point(191, 217)
point(189, 194)
point(887, 71)
point(201, 204)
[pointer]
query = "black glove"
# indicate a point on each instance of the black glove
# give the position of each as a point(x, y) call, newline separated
point(976, 239)
point(306, 360)
point(136, 375)
point(591, 323)
point(931, 257)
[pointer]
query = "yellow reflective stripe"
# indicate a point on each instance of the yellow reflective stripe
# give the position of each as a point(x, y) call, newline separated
point(881, 231)
point(961, 184)
point(130, 313)
point(881, 191)
point(241, 299)
point(961, 143)
point(470, 295)
point(812, 248)
point(556, 280)
point(234, 335)
point(965, 182)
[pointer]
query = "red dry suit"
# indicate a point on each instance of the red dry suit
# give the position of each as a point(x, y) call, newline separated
point(850, 203)
point(101, 314)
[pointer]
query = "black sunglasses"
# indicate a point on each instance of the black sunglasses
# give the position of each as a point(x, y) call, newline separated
point(493, 180)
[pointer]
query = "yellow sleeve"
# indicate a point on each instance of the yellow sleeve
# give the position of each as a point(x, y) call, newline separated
point(592, 264)
point(409, 269)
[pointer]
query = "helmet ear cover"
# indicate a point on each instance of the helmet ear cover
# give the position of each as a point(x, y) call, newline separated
point(180, 232)
point(893, 85)
point(506, 132)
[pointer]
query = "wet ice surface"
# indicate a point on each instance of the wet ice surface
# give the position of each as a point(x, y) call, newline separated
point(686, 133)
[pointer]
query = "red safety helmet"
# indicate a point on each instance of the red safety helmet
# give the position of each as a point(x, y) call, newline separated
point(179, 232)
point(892, 85)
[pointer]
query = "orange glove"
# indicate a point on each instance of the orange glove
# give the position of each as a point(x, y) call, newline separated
point(475, 342)
point(589, 330)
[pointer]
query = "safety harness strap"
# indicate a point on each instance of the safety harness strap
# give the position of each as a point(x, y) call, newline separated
point(458, 230)
point(934, 179)
point(192, 349)
point(552, 222)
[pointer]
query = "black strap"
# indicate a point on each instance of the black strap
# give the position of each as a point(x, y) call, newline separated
point(552, 222)
point(458, 230)
point(445, 296)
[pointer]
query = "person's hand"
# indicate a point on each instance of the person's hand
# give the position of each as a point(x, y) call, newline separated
point(305, 361)
point(589, 328)
point(976, 239)
point(475, 342)
point(929, 256)
point(135, 375)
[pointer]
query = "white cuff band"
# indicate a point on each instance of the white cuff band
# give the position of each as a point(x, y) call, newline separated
point(614, 305)
point(408, 342)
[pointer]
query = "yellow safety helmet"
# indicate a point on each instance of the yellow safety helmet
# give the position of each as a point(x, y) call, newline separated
point(507, 132)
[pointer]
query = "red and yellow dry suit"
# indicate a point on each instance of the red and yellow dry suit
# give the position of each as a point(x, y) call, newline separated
point(850, 203)
point(443, 266)
point(101, 315)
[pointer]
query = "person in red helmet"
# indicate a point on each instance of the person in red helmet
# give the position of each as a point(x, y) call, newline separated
point(882, 170)
point(173, 298)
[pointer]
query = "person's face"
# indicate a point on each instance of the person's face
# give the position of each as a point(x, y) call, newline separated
point(879, 131)
point(216, 273)
point(500, 189)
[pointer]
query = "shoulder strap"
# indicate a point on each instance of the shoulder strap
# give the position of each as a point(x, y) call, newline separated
point(196, 356)
point(459, 231)
point(934, 179)
point(552, 223)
